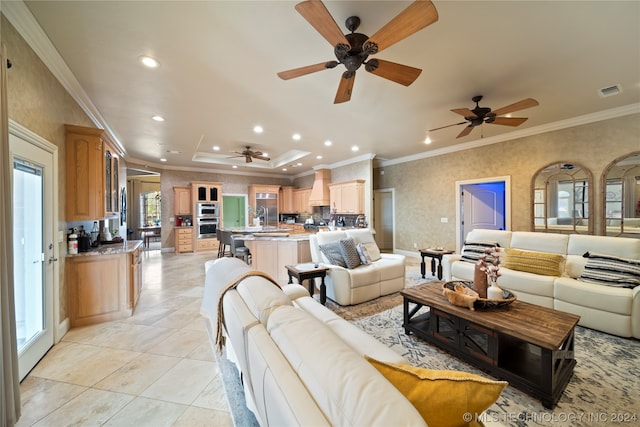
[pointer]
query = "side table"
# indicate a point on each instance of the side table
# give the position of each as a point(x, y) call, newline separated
point(434, 255)
point(309, 272)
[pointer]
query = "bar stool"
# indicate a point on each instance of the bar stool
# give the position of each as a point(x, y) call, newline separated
point(225, 243)
point(238, 249)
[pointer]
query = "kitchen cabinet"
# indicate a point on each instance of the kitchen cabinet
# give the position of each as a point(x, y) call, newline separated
point(286, 200)
point(204, 192)
point(270, 256)
point(347, 197)
point(184, 239)
point(256, 189)
point(92, 175)
point(301, 200)
point(103, 287)
point(207, 244)
point(182, 201)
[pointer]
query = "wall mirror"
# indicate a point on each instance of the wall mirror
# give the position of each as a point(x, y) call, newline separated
point(621, 196)
point(561, 198)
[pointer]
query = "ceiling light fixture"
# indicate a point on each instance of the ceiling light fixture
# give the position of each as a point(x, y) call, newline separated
point(216, 148)
point(328, 143)
point(150, 62)
point(355, 148)
point(163, 159)
point(318, 157)
point(296, 137)
point(284, 169)
point(427, 140)
point(235, 166)
point(258, 129)
point(158, 118)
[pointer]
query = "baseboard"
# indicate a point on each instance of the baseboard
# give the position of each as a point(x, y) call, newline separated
point(63, 328)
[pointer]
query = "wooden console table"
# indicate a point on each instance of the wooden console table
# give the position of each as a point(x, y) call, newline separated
point(528, 345)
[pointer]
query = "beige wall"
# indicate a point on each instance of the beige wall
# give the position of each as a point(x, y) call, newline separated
point(425, 189)
point(37, 101)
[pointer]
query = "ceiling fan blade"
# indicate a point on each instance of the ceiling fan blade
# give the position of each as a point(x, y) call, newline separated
point(265, 158)
point(248, 159)
point(464, 112)
point(447, 126)
point(517, 106)
point(302, 71)
point(508, 121)
point(316, 13)
point(466, 131)
point(345, 88)
point(418, 15)
point(398, 73)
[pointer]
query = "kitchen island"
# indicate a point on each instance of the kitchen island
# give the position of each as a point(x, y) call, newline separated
point(272, 250)
point(104, 283)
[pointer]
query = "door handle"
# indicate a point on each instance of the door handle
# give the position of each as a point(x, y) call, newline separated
point(52, 259)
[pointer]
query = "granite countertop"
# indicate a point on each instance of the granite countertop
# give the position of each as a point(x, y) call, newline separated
point(274, 236)
point(111, 249)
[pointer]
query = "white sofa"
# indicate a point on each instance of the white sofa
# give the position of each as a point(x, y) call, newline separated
point(609, 309)
point(365, 282)
point(300, 363)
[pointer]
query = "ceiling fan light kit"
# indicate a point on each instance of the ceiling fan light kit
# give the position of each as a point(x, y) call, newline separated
point(353, 50)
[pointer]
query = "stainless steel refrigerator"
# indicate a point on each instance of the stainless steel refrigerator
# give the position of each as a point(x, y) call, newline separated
point(268, 201)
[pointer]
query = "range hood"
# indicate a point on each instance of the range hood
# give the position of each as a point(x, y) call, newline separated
point(320, 190)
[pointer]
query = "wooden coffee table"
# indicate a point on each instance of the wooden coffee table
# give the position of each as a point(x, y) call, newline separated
point(530, 346)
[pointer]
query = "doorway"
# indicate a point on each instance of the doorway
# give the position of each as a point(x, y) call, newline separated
point(34, 248)
point(484, 203)
point(234, 211)
point(383, 221)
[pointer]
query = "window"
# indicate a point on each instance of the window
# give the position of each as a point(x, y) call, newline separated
point(150, 208)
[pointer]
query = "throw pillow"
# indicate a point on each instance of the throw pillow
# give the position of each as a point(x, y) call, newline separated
point(542, 263)
point(611, 271)
point(372, 250)
point(363, 254)
point(349, 253)
point(473, 249)
point(333, 253)
point(443, 398)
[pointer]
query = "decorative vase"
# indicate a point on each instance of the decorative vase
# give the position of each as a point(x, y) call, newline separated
point(480, 282)
point(493, 291)
point(256, 222)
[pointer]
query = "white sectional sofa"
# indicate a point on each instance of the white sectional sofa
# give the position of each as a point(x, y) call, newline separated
point(611, 309)
point(348, 286)
point(302, 365)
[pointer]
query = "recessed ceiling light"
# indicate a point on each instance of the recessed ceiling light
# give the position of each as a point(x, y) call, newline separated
point(258, 129)
point(298, 164)
point(355, 148)
point(328, 143)
point(158, 118)
point(163, 160)
point(296, 137)
point(150, 62)
point(427, 140)
point(235, 166)
point(284, 169)
point(318, 157)
point(216, 148)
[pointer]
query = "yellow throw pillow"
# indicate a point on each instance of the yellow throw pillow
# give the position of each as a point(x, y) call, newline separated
point(443, 398)
point(542, 263)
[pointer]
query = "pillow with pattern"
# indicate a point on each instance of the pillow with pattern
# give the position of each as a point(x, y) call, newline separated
point(333, 253)
point(611, 271)
point(473, 249)
point(349, 253)
point(363, 254)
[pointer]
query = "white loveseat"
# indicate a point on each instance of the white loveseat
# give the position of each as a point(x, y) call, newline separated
point(610, 309)
point(348, 286)
point(302, 365)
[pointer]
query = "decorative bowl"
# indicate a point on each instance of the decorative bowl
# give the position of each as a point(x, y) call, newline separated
point(481, 303)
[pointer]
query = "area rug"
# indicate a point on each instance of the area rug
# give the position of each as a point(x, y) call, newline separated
point(604, 389)
point(240, 414)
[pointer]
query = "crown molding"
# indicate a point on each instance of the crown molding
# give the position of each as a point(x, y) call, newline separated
point(612, 113)
point(27, 26)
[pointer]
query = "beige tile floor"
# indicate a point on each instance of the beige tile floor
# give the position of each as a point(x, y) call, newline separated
point(153, 369)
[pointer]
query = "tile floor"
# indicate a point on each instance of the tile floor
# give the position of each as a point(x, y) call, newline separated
point(153, 369)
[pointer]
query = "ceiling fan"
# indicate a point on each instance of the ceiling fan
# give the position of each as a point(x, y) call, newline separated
point(480, 115)
point(250, 154)
point(352, 50)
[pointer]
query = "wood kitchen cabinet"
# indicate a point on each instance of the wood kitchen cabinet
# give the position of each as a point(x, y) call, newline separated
point(347, 197)
point(182, 201)
point(259, 188)
point(184, 239)
point(92, 175)
point(103, 287)
point(205, 192)
point(270, 256)
point(301, 200)
point(286, 200)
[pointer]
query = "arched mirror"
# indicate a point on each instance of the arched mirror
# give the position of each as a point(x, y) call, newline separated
point(621, 198)
point(561, 196)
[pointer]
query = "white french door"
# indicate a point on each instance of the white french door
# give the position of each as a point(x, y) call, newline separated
point(34, 252)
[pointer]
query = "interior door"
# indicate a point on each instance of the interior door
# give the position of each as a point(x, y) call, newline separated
point(483, 206)
point(383, 219)
point(233, 211)
point(34, 253)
